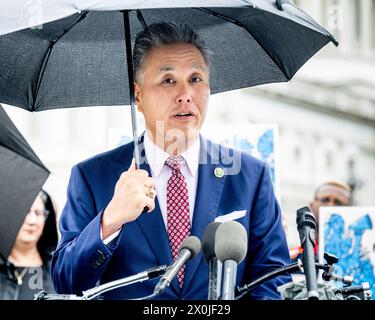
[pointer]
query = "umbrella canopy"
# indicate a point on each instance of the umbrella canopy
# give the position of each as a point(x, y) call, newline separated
point(22, 177)
point(79, 60)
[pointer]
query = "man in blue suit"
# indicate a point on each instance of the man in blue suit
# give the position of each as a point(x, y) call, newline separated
point(184, 180)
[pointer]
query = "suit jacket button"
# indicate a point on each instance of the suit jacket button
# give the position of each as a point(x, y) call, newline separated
point(96, 263)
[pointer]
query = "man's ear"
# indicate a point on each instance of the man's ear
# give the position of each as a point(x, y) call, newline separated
point(137, 96)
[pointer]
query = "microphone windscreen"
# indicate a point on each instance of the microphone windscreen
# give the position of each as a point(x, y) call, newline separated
point(193, 244)
point(208, 241)
point(305, 217)
point(231, 242)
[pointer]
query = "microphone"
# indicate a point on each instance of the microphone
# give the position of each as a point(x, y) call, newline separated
point(306, 229)
point(214, 265)
point(360, 292)
point(230, 249)
point(189, 248)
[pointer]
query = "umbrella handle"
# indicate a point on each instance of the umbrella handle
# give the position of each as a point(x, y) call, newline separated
point(129, 58)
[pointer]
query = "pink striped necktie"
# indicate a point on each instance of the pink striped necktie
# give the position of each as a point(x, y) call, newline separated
point(178, 217)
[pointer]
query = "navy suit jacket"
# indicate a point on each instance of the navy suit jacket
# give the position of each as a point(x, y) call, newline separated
point(82, 260)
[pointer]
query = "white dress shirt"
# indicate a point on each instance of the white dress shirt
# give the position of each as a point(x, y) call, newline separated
point(160, 172)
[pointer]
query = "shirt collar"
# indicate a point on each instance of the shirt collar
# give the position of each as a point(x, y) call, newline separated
point(156, 156)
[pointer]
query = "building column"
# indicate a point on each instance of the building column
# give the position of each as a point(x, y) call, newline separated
point(315, 9)
point(348, 32)
point(366, 25)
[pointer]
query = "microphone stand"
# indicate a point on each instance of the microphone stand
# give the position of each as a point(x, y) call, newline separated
point(215, 268)
point(348, 292)
point(139, 277)
point(306, 229)
point(43, 295)
point(229, 279)
point(96, 291)
point(297, 266)
point(328, 269)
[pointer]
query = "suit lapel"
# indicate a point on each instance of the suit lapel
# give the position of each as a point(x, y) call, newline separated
point(208, 195)
point(151, 224)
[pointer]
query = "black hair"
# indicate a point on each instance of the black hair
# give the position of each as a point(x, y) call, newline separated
point(48, 241)
point(161, 34)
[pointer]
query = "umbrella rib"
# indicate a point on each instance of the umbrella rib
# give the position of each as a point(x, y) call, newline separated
point(142, 19)
point(222, 16)
point(48, 53)
point(238, 23)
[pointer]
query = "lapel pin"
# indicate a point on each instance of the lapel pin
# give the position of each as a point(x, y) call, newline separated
point(219, 172)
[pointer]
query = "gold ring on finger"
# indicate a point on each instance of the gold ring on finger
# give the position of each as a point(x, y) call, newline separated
point(150, 193)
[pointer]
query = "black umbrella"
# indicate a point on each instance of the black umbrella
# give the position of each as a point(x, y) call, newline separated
point(22, 176)
point(80, 60)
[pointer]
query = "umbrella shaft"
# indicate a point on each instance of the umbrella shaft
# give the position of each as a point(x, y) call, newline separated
point(129, 58)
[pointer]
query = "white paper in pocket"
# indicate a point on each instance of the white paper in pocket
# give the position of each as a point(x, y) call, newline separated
point(231, 216)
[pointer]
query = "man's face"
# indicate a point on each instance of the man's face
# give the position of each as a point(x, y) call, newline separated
point(329, 196)
point(173, 90)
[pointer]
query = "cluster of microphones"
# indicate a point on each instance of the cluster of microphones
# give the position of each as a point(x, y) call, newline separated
point(224, 247)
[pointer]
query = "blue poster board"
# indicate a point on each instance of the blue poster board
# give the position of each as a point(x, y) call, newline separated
point(349, 234)
point(258, 140)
